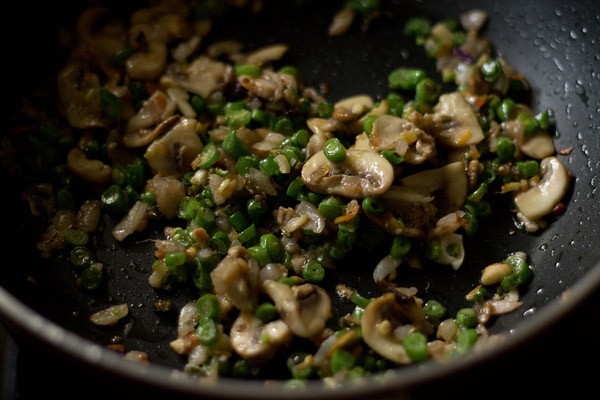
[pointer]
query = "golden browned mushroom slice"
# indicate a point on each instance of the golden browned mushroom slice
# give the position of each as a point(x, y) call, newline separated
point(202, 76)
point(255, 341)
point(141, 129)
point(173, 153)
point(361, 174)
point(304, 308)
point(74, 84)
point(402, 136)
point(541, 199)
point(458, 123)
point(91, 171)
point(168, 191)
point(384, 315)
point(236, 279)
point(451, 179)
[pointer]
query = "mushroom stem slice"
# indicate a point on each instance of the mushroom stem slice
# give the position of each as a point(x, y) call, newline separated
point(541, 199)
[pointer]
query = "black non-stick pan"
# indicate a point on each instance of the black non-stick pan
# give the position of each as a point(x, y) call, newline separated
point(554, 44)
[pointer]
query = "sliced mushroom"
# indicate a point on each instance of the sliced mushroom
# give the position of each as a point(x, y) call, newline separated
point(402, 136)
point(173, 153)
point(304, 308)
point(384, 315)
point(92, 171)
point(169, 191)
point(458, 124)
point(451, 179)
point(361, 174)
point(236, 279)
point(541, 199)
point(255, 341)
point(270, 86)
point(158, 108)
point(75, 82)
point(202, 77)
point(148, 65)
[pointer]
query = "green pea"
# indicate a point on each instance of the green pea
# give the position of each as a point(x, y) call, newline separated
point(368, 123)
point(334, 150)
point(209, 156)
point(266, 312)
point(466, 317)
point(434, 309)
point(245, 163)
point(491, 70)
point(528, 169)
point(530, 124)
point(114, 199)
point(395, 104)
point(324, 110)
point(208, 306)
point(505, 109)
point(341, 359)
point(91, 278)
point(273, 246)
point(417, 27)
point(372, 205)
point(207, 331)
point(255, 209)
point(248, 69)
point(313, 271)
point(331, 207)
point(297, 365)
point(415, 345)
point(400, 247)
point(81, 257)
point(466, 339)
point(505, 148)
point(175, 258)
point(260, 254)
point(406, 78)
point(427, 93)
point(269, 166)
point(301, 138)
point(233, 145)
point(75, 237)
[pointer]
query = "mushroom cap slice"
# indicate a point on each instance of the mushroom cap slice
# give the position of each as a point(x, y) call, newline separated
point(382, 316)
point(361, 174)
point(304, 308)
point(255, 341)
point(459, 125)
point(540, 199)
point(173, 153)
point(451, 179)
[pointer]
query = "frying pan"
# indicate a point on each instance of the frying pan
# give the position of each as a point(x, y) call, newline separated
point(555, 44)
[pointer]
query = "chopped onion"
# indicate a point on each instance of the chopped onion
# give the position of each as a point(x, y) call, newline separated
point(110, 316)
point(386, 267)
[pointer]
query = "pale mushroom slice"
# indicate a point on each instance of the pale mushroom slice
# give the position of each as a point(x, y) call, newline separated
point(384, 315)
point(451, 179)
point(402, 136)
point(257, 342)
point(361, 174)
point(541, 199)
point(173, 153)
point(458, 124)
point(304, 308)
point(236, 279)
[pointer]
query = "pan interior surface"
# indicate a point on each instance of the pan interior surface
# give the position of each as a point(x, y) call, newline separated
point(553, 44)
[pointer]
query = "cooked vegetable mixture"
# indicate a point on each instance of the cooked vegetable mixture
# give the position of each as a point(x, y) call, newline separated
point(265, 187)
